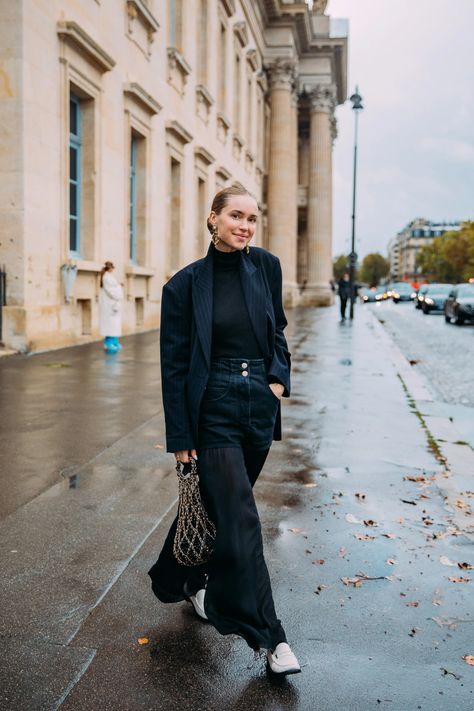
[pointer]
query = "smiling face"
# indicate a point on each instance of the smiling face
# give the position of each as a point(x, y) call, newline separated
point(236, 223)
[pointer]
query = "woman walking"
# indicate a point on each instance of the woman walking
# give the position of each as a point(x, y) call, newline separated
point(225, 365)
point(110, 309)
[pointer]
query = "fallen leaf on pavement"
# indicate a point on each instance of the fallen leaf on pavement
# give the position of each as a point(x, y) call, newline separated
point(444, 560)
point(454, 579)
point(350, 518)
point(356, 582)
point(342, 552)
point(295, 530)
point(400, 520)
point(413, 631)
point(320, 561)
point(143, 640)
point(427, 520)
point(391, 561)
point(417, 478)
point(423, 496)
point(309, 486)
point(465, 566)
point(370, 522)
point(469, 659)
point(320, 588)
point(360, 496)
point(407, 501)
point(364, 537)
point(461, 504)
point(389, 535)
point(446, 672)
point(413, 603)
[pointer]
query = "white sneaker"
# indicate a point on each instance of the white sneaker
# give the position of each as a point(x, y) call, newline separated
point(198, 603)
point(282, 660)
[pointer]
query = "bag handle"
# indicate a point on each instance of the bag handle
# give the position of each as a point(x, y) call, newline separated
point(180, 469)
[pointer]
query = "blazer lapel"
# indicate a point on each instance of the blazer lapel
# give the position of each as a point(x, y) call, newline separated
point(255, 297)
point(202, 303)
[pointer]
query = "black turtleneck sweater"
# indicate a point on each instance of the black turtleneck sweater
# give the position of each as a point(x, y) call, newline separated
point(232, 333)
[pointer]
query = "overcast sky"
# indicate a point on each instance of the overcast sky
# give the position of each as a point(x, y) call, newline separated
point(414, 64)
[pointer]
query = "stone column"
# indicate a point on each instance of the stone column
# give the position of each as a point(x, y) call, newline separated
point(319, 268)
point(282, 208)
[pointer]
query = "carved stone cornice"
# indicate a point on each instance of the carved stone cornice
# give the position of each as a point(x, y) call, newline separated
point(204, 155)
point(177, 130)
point(138, 94)
point(282, 73)
point(319, 7)
point(241, 33)
point(229, 7)
point(176, 59)
point(323, 98)
point(252, 59)
point(73, 34)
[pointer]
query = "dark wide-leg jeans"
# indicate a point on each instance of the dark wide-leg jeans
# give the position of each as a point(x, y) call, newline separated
point(236, 430)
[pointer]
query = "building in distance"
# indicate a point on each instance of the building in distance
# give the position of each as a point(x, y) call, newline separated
point(405, 246)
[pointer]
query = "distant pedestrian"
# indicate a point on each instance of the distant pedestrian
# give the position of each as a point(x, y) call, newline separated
point(225, 366)
point(110, 309)
point(346, 293)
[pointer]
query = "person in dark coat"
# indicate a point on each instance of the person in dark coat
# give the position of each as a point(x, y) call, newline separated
point(345, 293)
point(225, 366)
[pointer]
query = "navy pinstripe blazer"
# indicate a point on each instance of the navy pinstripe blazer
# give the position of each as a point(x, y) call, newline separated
point(186, 332)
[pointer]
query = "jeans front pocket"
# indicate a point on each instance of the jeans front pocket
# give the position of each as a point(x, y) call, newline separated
point(218, 384)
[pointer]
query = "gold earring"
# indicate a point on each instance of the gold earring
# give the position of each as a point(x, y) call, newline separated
point(215, 237)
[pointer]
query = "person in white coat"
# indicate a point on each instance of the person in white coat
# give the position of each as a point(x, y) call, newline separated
point(110, 309)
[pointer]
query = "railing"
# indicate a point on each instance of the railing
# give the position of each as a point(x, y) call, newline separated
point(3, 295)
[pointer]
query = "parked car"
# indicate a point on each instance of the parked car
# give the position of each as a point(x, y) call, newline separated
point(419, 298)
point(402, 291)
point(460, 304)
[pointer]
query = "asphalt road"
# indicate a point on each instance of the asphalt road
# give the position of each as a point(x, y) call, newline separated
point(443, 352)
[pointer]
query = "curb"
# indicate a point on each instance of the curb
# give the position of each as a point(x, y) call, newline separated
point(455, 456)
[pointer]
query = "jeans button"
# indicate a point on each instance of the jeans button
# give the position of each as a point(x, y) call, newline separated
point(244, 373)
point(244, 365)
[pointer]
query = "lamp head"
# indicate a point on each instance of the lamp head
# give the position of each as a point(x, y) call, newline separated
point(356, 99)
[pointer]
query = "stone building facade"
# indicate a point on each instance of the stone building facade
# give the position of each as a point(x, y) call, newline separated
point(404, 247)
point(120, 119)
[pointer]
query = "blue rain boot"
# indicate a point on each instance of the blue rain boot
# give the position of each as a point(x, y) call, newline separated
point(109, 345)
point(117, 343)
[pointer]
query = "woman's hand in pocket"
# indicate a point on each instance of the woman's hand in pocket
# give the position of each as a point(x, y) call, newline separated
point(277, 389)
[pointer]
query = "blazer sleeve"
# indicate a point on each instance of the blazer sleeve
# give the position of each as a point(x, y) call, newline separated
point(175, 347)
point(280, 366)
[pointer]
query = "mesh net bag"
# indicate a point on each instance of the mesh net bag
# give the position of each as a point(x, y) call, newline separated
point(195, 532)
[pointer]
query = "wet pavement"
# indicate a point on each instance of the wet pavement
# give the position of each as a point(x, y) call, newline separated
point(365, 520)
point(61, 408)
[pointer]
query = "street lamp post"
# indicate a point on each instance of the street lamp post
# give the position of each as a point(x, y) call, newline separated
point(357, 107)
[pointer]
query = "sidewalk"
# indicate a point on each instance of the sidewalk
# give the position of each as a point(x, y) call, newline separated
point(355, 523)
